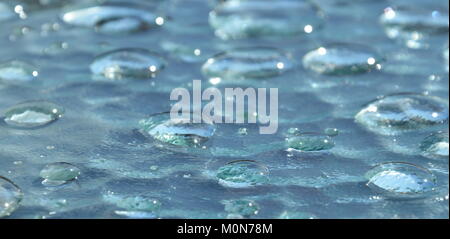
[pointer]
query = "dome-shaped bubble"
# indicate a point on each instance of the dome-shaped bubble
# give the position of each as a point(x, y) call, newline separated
point(435, 146)
point(401, 180)
point(17, 71)
point(394, 114)
point(342, 59)
point(236, 19)
point(55, 174)
point(242, 174)
point(247, 63)
point(179, 132)
point(128, 63)
point(114, 18)
point(32, 114)
point(10, 197)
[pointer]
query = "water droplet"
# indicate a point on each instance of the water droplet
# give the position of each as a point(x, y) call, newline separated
point(33, 114)
point(342, 59)
point(17, 71)
point(10, 197)
point(133, 203)
point(393, 114)
point(309, 144)
point(435, 146)
point(178, 132)
point(242, 207)
point(401, 180)
point(236, 19)
point(130, 63)
point(56, 174)
point(242, 174)
point(113, 18)
point(248, 63)
point(332, 132)
point(413, 25)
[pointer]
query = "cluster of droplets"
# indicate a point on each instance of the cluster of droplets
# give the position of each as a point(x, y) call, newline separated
point(240, 19)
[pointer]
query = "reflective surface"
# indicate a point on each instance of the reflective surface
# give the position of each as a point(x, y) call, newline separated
point(363, 87)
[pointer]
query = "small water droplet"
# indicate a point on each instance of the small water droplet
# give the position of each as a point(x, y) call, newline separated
point(242, 174)
point(178, 132)
point(310, 142)
point(129, 63)
point(332, 132)
point(56, 174)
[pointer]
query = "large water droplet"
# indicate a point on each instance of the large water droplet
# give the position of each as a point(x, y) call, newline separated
point(242, 174)
point(10, 197)
point(130, 63)
point(241, 208)
point(178, 132)
point(435, 146)
point(17, 71)
point(401, 180)
point(33, 114)
point(114, 18)
point(403, 112)
point(413, 25)
point(55, 174)
point(342, 59)
point(247, 63)
point(235, 19)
